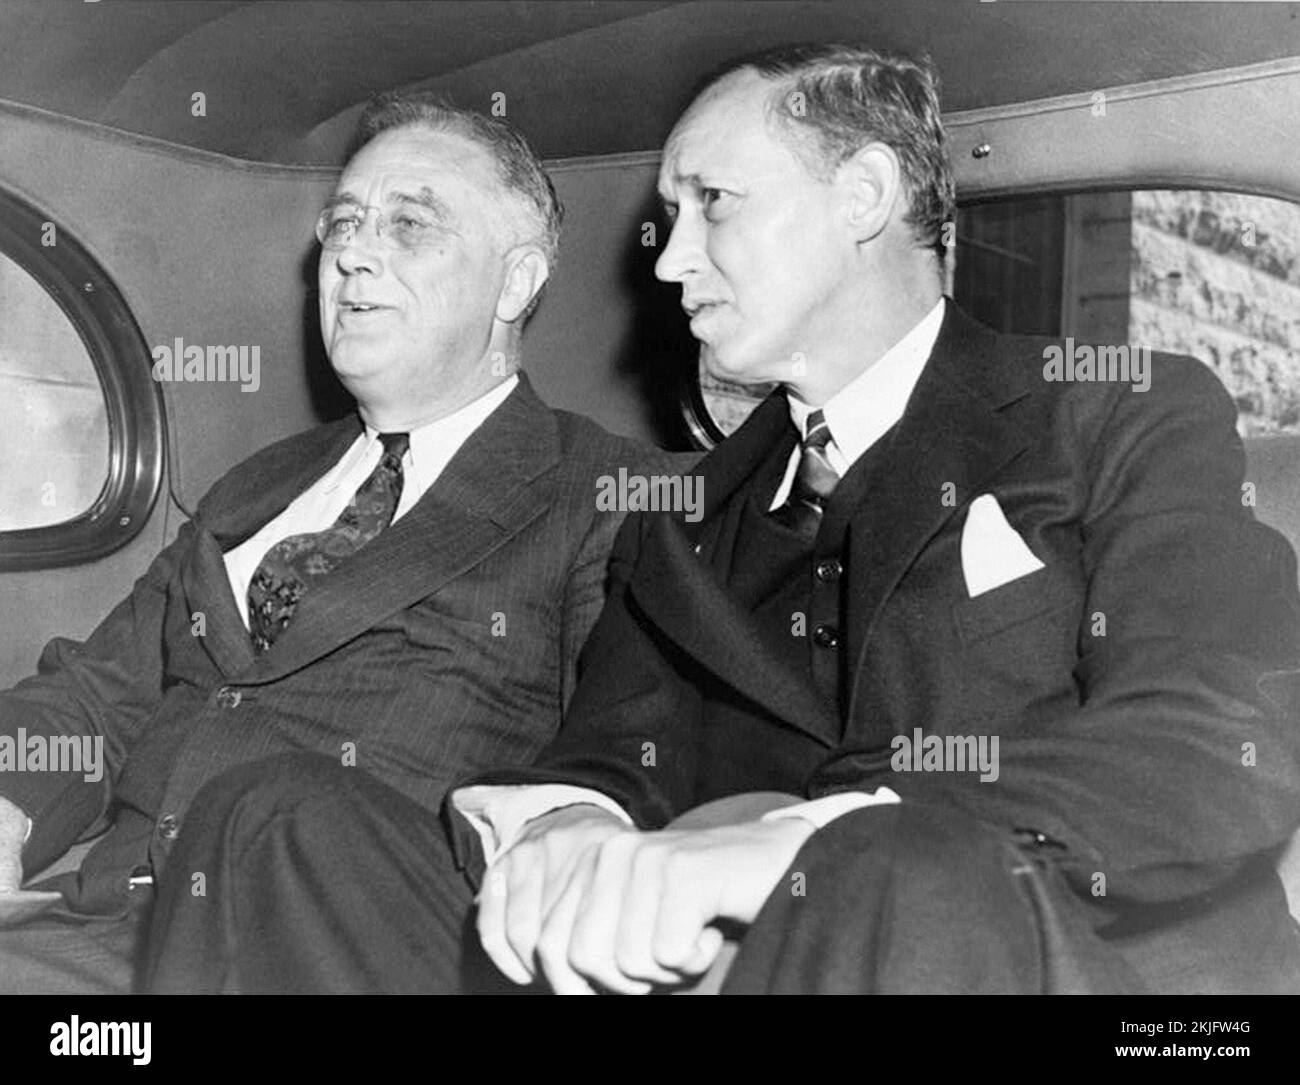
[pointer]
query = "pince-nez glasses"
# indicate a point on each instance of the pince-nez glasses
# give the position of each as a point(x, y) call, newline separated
point(402, 229)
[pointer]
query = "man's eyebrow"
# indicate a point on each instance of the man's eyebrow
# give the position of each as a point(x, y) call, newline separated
point(339, 199)
point(683, 180)
point(677, 180)
point(425, 197)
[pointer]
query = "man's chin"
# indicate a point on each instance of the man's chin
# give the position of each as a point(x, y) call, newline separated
point(354, 366)
point(358, 350)
point(735, 367)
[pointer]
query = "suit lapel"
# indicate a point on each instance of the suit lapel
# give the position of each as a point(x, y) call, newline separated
point(500, 480)
point(952, 432)
point(207, 590)
point(676, 587)
point(734, 462)
point(237, 508)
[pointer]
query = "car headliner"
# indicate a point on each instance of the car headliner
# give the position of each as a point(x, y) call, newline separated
point(283, 81)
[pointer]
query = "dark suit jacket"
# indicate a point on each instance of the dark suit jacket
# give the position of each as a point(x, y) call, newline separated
point(1163, 754)
point(446, 645)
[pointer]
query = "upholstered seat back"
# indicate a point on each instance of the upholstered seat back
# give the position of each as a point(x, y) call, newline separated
point(1273, 465)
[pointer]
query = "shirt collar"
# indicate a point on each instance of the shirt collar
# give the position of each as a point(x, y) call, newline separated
point(433, 444)
point(861, 412)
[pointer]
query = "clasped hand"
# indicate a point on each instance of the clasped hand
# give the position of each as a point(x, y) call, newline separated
point(595, 905)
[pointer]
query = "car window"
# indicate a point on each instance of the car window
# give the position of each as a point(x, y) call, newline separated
point(81, 418)
point(53, 416)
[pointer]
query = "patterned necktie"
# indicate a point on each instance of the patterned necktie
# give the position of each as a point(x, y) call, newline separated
point(814, 481)
point(292, 566)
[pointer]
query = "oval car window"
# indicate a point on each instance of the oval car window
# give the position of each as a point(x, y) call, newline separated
point(53, 417)
point(81, 418)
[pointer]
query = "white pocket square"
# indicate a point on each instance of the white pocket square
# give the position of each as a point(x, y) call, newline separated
point(992, 554)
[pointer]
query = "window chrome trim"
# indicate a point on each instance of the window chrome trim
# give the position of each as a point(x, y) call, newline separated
point(703, 431)
point(132, 399)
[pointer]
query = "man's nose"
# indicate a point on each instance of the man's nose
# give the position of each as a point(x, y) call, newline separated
point(683, 254)
point(363, 252)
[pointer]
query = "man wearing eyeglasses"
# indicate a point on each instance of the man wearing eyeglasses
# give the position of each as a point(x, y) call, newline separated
point(391, 601)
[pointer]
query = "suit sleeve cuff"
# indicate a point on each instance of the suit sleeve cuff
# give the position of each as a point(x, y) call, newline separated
point(821, 812)
point(499, 813)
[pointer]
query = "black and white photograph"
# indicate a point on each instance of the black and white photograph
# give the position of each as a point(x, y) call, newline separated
point(646, 497)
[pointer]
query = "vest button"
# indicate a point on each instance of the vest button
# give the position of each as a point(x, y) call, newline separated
point(228, 697)
point(169, 827)
point(829, 570)
point(826, 636)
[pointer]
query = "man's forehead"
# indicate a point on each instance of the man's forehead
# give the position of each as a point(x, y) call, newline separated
point(727, 128)
point(394, 189)
point(409, 159)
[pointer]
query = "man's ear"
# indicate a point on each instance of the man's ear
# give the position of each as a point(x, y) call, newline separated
point(871, 181)
point(527, 270)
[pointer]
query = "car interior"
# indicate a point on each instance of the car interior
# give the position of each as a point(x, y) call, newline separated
point(1123, 170)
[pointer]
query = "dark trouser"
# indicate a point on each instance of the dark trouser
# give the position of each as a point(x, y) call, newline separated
point(315, 878)
point(320, 878)
point(912, 899)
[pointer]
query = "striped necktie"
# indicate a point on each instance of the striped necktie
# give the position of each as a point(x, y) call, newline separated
point(814, 481)
point(292, 566)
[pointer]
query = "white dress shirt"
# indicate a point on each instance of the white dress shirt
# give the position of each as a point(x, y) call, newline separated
point(863, 411)
point(858, 415)
point(317, 507)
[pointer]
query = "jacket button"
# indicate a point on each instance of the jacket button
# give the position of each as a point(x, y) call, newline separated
point(829, 570)
point(826, 636)
point(228, 697)
point(169, 827)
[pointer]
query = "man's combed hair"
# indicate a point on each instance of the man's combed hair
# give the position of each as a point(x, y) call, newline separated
point(518, 168)
point(841, 98)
